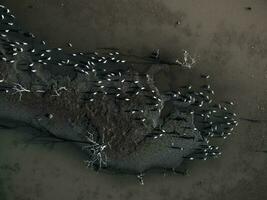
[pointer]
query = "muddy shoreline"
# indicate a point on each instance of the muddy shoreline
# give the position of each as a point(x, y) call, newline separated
point(113, 111)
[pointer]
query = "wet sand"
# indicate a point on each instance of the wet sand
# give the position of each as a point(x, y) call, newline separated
point(231, 43)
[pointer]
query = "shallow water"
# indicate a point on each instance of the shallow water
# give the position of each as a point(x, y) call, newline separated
point(231, 43)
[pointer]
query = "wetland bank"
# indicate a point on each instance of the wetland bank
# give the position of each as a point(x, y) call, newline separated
point(228, 150)
point(99, 101)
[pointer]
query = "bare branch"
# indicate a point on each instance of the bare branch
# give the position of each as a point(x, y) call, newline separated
point(188, 61)
point(19, 89)
point(97, 150)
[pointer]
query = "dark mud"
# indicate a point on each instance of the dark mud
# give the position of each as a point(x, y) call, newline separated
point(235, 60)
point(115, 113)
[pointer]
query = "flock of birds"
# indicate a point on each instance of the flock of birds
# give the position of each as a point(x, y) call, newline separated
point(110, 79)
